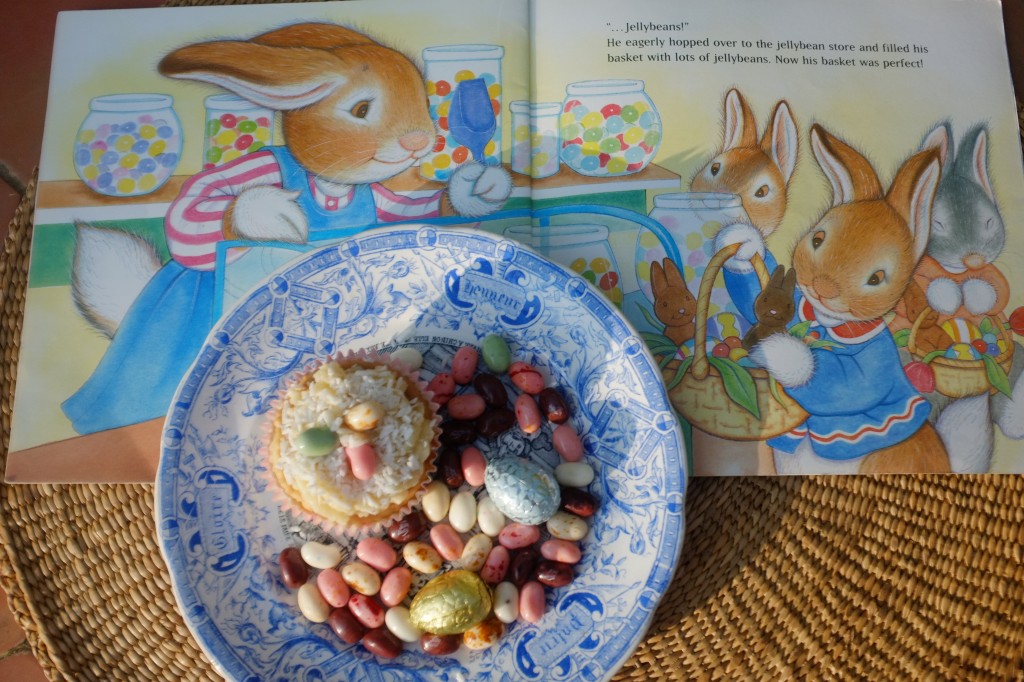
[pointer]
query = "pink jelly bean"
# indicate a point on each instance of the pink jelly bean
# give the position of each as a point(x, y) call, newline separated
point(528, 414)
point(333, 587)
point(362, 459)
point(464, 365)
point(367, 610)
point(495, 565)
point(377, 553)
point(466, 407)
point(518, 535)
point(526, 377)
point(442, 386)
point(567, 444)
point(447, 542)
point(531, 602)
point(474, 464)
point(561, 550)
point(395, 587)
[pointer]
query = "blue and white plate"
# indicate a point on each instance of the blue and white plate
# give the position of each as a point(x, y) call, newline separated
point(434, 289)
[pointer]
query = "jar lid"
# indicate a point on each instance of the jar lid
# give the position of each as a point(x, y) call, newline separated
point(230, 102)
point(522, 106)
point(604, 87)
point(130, 102)
point(696, 200)
point(460, 53)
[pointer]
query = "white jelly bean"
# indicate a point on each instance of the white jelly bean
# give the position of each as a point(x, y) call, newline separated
point(475, 552)
point(506, 602)
point(566, 526)
point(574, 474)
point(436, 501)
point(489, 517)
point(462, 512)
point(409, 357)
point(319, 555)
point(312, 604)
point(397, 620)
point(422, 557)
point(361, 578)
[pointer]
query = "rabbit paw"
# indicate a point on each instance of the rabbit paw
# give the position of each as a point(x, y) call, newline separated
point(477, 190)
point(979, 296)
point(750, 241)
point(270, 214)
point(786, 358)
point(944, 295)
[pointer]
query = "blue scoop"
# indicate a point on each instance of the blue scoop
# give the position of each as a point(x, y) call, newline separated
point(471, 118)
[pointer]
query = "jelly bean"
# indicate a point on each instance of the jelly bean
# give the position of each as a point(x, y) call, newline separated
point(489, 517)
point(367, 610)
point(566, 526)
point(449, 467)
point(526, 377)
point(408, 357)
point(506, 602)
point(345, 625)
point(553, 405)
point(377, 554)
point(436, 500)
point(521, 568)
point(567, 444)
point(562, 551)
point(361, 578)
point(518, 535)
point(446, 541)
point(484, 634)
point(364, 416)
point(466, 406)
point(294, 572)
point(382, 643)
point(574, 474)
point(362, 460)
point(316, 441)
point(493, 423)
point(440, 645)
point(312, 604)
point(319, 555)
point(496, 565)
point(464, 365)
point(442, 387)
point(421, 557)
point(528, 414)
point(333, 587)
point(490, 388)
point(496, 353)
point(578, 502)
point(395, 586)
point(397, 621)
point(473, 465)
point(475, 553)
point(408, 528)
point(455, 432)
point(532, 602)
point(462, 512)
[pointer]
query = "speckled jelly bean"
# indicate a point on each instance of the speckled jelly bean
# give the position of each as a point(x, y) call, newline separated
point(367, 610)
point(474, 554)
point(397, 621)
point(566, 526)
point(506, 602)
point(526, 377)
point(466, 406)
point(473, 464)
point(441, 387)
point(333, 587)
point(567, 443)
point(553, 405)
point(377, 554)
point(395, 586)
point(561, 550)
point(382, 643)
point(362, 460)
point(446, 541)
point(490, 388)
point(464, 364)
point(364, 416)
point(421, 557)
point(361, 578)
point(574, 474)
point(436, 500)
point(484, 634)
point(316, 441)
point(496, 353)
point(532, 602)
point(294, 572)
point(496, 565)
point(408, 357)
point(489, 517)
point(345, 625)
point(462, 512)
point(319, 555)
point(528, 414)
point(518, 535)
point(312, 604)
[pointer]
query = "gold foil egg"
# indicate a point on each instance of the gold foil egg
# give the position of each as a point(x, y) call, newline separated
point(451, 603)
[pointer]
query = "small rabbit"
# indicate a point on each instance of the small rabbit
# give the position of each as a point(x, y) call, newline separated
point(674, 305)
point(758, 172)
point(773, 307)
point(852, 267)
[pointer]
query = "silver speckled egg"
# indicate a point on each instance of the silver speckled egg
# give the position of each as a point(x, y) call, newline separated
point(522, 490)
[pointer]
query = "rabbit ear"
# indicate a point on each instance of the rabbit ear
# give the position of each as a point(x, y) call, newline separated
point(672, 275)
point(912, 193)
point(789, 283)
point(851, 176)
point(658, 281)
point(740, 130)
point(939, 139)
point(777, 276)
point(979, 164)
point(781, 139)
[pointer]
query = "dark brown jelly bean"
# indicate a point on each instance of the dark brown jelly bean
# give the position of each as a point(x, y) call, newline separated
point(408, 528)
point(578, 501)
point(439, 645)
point(383, 643)
point(493, 423)
point(449, 467)
point(553, 573)
point(521, 569)
point(553, 405)
point(345, 625)
point(455, 432)
point(294, 572)
point(490, 388)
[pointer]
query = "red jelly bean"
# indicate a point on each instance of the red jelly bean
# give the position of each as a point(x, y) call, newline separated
point(528, 414)
point(553, 573)
point(464, 365)
point(491, 389)
point(345, 625)
point(440, 645)
point(449, 467)
point(553, 405)
point(466, 407)
point(383, 643)
point(526, 377)
point(367, 610)
point(442, 386)
point(294, 572)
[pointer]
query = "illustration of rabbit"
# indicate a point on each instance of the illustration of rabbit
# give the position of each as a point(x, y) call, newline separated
point(354, 116)
point(758, 172)
point(930, 334)
point(773, 307)
point(674, 304)
point(852, 267)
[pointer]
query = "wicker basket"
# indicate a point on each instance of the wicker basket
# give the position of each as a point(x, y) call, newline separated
point(701, 397)
point(962, 378)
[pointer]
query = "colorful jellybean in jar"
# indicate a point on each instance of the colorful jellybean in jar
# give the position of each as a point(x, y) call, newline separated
point(535, 141)
point(234, 127)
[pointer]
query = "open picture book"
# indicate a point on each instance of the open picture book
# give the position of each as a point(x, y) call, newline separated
point(809, 211)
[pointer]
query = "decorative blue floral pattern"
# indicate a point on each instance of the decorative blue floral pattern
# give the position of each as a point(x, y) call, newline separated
point(434, 289)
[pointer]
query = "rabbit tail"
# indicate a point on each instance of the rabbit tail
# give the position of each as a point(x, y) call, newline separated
point(965, 427)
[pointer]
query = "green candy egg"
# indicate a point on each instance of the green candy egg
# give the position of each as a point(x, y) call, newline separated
point(451, 603)
point(495, 353)
point(317, 441)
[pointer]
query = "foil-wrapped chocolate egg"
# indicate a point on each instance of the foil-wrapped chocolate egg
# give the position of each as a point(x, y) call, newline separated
point(451, 603)
point(522, 490)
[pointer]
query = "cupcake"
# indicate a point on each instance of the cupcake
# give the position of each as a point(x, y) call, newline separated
point(352, 443)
